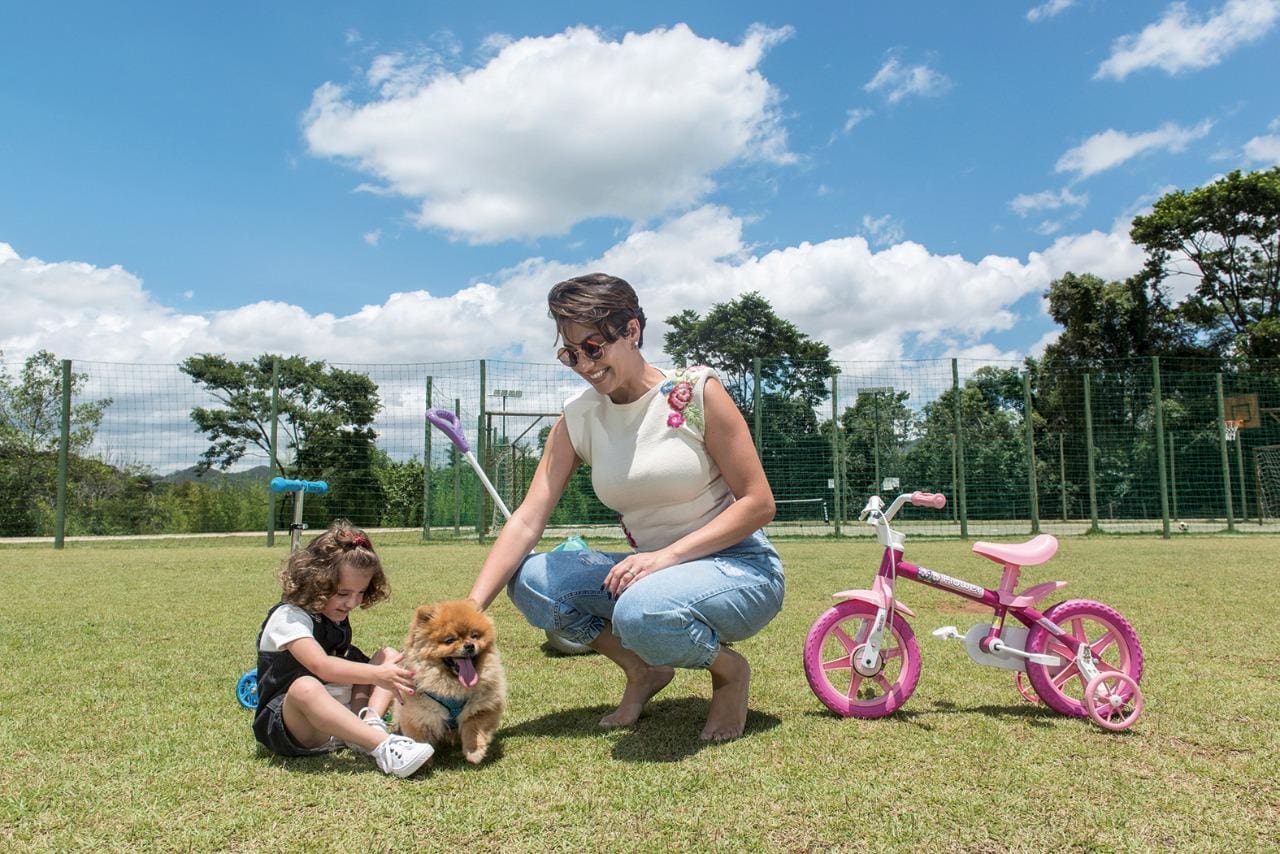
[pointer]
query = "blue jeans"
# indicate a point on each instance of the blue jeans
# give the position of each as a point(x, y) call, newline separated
point(677, 616)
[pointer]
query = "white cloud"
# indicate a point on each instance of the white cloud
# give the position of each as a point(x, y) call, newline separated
point(856, 117)
point(896, 81)
point(1109, 149)
point(883, 231)
point(1263, 149)
point(864, 303)
point(373, 238)
point(1047, 200)
point(1181, 42)
point(554, 130)
point(1048, 9)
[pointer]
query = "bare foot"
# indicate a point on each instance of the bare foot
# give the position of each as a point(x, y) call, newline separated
point(642, 684)
point(730, 679)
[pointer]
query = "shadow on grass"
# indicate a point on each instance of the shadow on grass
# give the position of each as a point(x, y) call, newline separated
point(1037, 716)
point(667, 731)
point(348, 761)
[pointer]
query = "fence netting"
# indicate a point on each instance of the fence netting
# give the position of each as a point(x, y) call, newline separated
point(1136, 445)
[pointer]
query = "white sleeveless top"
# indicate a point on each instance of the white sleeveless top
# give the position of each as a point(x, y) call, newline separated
point(648, 459)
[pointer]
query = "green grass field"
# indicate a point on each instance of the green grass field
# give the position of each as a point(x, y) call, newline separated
point(120, 729)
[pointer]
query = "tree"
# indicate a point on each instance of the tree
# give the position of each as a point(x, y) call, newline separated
point(1229, 233)
point(735, 333)
point(1104, 321)
point(324, 426)
point(30, 432)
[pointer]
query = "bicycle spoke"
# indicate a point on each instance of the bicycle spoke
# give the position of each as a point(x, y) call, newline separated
point(1063, 676)
point(843, 663)
point(889, 654)
point(844, 639)
point(1077, 630)
point(1101, 644)
point(883, 683)
point(854, 684)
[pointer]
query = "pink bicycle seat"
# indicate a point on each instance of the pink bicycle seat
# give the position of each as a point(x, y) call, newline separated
point(1029, 553)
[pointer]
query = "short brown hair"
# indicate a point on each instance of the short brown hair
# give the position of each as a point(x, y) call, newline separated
point(598, 300)
point(310, 575)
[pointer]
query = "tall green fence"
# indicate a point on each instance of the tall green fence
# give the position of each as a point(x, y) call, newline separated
point(1134, 446)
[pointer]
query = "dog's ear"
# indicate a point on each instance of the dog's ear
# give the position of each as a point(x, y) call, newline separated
point(425, 613)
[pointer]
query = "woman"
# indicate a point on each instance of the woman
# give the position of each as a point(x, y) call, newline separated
point(672, 454)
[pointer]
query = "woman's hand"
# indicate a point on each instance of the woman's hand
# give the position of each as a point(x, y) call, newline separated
point(394, 678)
point(634, 567)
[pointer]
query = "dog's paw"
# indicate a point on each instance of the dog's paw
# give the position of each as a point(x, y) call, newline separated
point(475, 757)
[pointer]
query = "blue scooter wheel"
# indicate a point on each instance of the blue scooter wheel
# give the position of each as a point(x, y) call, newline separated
point(247, 689)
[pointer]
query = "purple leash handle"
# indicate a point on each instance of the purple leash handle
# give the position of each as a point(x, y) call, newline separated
point(449, 424)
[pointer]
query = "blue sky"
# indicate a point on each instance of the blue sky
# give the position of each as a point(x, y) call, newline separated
point(402, 182)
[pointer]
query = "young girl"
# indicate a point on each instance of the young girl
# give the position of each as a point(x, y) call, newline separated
point(311, 677)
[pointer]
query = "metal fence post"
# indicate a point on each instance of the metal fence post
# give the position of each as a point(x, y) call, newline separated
point(961, 499)
point(1033, 493)
point(836, 480)
point(457, 477)
point(755, 405)
point(1226, 461)
point(1244, 495)
point(1173, 476)
point(1163, 477)
point(426, 470)
point(1089, 456)
point(275, 466)
point(64, 457)
point(482, 453)
point(1062, 472)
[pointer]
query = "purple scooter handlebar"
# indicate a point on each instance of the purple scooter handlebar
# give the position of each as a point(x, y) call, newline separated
point(449, 424)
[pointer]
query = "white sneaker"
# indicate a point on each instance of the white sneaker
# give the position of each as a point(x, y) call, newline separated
point(401, 756)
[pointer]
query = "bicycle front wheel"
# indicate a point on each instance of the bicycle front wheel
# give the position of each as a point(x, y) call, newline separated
point(829, 651)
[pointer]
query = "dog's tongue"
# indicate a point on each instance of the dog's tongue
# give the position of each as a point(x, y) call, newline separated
point(467, 672)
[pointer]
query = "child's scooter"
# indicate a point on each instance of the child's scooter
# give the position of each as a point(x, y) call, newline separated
point(448, 423)
point(247, 685)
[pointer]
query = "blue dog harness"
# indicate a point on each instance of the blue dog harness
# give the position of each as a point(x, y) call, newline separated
point(452, 706)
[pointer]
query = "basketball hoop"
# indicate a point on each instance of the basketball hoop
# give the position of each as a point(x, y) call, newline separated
point(1232, 426)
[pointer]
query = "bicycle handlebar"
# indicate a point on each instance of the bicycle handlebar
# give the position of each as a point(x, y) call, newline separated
point(451, 426)
point(936, 500)
point(315, 487)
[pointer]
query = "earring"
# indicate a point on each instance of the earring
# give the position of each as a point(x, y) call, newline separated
point(635, 345)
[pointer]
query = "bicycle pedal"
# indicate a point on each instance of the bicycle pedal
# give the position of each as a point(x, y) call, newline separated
point(947, 633)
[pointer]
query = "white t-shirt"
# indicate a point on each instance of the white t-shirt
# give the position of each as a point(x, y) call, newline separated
point(287, 624)
point(648, 458)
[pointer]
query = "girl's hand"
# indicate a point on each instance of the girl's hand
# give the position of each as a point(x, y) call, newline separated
point(394, 678)
point(634, 567)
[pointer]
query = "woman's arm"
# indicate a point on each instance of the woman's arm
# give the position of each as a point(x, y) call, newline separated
point(525, 527)
point(730, 446)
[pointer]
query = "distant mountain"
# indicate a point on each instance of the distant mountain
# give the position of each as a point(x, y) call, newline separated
point(214, 477)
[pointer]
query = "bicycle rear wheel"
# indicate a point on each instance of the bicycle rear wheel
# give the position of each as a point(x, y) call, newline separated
point(828, 662)
point(1113, 641)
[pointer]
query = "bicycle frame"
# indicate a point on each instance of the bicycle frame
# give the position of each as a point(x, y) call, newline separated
point(1003, 601)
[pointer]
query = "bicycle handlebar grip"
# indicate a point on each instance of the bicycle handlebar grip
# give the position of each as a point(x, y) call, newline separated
point(936, 500)
point(315, 487)
point(449, 424)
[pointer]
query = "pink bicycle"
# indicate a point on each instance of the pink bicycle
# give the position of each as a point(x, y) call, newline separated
point(1081, 657)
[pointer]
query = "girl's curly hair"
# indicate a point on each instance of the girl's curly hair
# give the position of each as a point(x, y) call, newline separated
point(309, 576)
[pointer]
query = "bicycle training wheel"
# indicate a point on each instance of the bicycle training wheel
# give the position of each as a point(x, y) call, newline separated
point(829, 655)
point(247, 689)
point(1113, 641)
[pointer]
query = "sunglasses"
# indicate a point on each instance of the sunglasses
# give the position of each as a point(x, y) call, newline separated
point(593, 347)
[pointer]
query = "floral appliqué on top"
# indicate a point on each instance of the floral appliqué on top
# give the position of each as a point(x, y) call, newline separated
point(679, 392)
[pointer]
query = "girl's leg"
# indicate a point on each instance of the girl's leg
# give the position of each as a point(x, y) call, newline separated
point(312, 715)
point(376, 700)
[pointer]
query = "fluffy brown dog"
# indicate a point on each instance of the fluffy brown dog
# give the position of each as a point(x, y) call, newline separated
point(451, 649)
